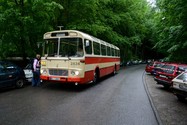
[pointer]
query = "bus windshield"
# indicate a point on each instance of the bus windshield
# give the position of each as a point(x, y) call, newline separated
point(64, 47)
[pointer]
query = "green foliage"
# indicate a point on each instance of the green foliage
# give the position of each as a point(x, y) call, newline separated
point(171, 31)
point(121, 22)
point(23, 24)
point(125, 23)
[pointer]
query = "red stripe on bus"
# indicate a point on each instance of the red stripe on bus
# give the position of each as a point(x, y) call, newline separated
point(94, 60)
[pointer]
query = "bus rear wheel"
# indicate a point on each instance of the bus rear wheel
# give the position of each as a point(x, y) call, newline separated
point(95, 80)
point(115, 71)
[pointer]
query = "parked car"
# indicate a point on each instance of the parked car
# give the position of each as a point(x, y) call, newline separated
point(135, 62)
point(168, 72)
point(28, 72)
point(150, 66)
point(11, 75)
point(180, 86)
point(157, 68)
point(129, 63)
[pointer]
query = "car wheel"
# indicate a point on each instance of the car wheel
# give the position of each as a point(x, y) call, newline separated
point(19, 83)
point(180, 98)
point(166, 86)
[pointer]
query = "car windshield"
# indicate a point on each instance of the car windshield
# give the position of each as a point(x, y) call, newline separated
point(168, 69)
point(5, 64)
point(183, 76)
point(65, 47)
point(150, 64)
point(158, 65)
point(29, 66)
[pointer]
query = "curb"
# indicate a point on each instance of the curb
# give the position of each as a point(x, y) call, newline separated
point(150, 100)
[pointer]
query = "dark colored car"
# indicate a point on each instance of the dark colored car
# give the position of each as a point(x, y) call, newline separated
point(11, 75)
point(168, 72)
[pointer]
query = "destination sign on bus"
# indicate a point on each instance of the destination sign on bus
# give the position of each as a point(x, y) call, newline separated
point(60, 34)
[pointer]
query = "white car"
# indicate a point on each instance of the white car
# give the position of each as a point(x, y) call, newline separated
point(180, 86)
point(28, 72)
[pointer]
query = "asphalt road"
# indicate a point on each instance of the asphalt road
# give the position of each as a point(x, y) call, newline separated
point(116, 100)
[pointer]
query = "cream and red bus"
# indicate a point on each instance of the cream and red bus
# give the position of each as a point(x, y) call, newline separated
point(62, 61)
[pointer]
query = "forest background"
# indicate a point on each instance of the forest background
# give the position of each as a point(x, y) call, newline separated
point(139, 29)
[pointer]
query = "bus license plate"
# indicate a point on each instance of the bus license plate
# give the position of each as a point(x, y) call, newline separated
point(53, 78)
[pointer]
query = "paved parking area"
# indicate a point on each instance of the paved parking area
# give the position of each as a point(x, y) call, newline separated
point(170, 110)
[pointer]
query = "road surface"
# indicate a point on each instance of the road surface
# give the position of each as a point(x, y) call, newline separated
point(116, 100)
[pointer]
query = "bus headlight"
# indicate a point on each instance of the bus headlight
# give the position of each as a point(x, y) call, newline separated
point(74, 73)
point(43, 63)
point(43, 71)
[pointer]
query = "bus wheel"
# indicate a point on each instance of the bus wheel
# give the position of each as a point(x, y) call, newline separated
point(95, 80)
point(115, 71)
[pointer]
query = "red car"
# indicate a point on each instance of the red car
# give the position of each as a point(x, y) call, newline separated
point(168, 72)
point(150, 66)
point(156, 68)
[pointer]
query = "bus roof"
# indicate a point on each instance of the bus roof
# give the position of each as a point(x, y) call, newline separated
point(64, 33)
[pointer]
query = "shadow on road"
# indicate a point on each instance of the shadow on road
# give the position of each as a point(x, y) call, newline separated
point(72, 87)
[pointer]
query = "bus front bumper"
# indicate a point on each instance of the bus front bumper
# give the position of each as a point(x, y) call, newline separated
point(61, 79)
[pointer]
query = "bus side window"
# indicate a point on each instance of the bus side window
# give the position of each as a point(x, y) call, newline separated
point(113, 52)
point(88, 46)
point(118, 53)
point(103, 49)
point(96, 48)
point(108, 51)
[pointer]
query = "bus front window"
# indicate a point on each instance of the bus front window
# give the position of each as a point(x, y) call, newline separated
point(68, 47)
point(51, 47)
point(71, 47)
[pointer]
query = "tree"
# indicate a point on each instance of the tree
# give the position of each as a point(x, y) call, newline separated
point(171, 29)
point(125, 23)
point(23, 25)
point(120, 22)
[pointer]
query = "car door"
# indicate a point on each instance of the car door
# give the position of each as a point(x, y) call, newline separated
point(2, 75)
point(7, 75)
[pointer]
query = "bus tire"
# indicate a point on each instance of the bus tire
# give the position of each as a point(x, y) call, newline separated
point(115, 71)
point(95, 80)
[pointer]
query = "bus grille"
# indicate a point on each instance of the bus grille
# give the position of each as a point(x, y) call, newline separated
point(58, 72)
